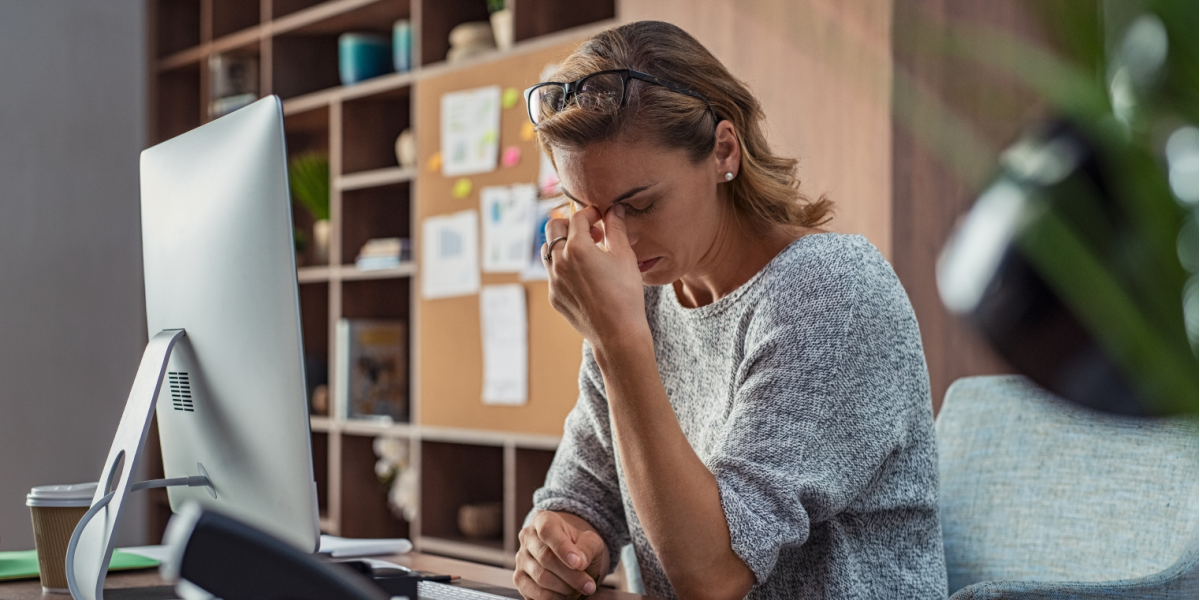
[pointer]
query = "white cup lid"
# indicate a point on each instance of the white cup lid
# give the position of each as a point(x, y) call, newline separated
point(76, 494)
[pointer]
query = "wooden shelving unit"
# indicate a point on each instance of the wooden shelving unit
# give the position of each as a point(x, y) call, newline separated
point(371, 196)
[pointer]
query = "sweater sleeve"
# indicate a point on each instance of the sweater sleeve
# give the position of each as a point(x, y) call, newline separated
point(583, 477)
point(817, 410)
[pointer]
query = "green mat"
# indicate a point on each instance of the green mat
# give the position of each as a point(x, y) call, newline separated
point(23, 564)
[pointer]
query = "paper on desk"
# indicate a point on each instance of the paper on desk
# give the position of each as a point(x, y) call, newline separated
point(339, 547)
point(450, 255)
point(507, 214)
point(505, 344)
point(470, 131)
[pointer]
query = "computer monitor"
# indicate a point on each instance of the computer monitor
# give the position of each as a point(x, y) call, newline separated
point(219, 260)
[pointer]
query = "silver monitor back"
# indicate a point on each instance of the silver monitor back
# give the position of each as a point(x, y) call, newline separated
point(219, 263)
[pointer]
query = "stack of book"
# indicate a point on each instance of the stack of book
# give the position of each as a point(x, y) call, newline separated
point(384, 253)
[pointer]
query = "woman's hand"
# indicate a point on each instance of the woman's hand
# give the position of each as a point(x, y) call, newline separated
point(561, 556)
point(598, 290)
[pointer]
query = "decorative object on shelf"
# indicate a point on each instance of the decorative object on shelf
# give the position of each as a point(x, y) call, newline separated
point(384, 253)
point(397, 478)
point(372, 373)
point(362, 56)
point(470, 39)
point(502, 23)
point(406, 149)
point(233, 78)
point(320, 400)
point(308, 177)
point(480, 521)
point(402, 46)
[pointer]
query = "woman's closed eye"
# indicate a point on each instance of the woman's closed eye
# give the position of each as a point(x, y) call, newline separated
point(633, 211)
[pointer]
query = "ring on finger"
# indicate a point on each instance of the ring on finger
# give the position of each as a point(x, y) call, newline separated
point(548, 257)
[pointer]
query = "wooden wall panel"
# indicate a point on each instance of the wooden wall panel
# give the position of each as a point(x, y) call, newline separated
point(930, 191)
point(822, 70)
point(448, 342)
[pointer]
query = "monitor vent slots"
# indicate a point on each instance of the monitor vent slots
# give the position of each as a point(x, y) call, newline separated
point(181, 391)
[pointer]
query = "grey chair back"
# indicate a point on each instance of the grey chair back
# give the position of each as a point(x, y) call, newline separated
point(1036, 489)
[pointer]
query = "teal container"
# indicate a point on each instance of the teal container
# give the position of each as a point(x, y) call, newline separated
point(362, 56)
point(402, 45)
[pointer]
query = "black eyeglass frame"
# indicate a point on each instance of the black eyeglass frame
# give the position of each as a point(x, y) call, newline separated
point(570, 89)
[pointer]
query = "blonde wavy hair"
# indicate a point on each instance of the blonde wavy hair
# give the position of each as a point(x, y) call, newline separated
point(766, 188)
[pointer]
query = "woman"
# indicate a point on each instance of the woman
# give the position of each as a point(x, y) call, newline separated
point(754, 411)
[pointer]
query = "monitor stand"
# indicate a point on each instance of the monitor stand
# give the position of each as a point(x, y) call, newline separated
point(91, 546)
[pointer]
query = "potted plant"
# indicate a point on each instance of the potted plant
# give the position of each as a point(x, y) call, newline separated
point(308, 178)
point(502, 23)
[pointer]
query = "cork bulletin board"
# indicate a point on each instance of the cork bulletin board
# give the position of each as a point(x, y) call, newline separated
point(449, 353)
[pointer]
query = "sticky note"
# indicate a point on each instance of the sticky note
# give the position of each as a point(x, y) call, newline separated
point(510, 97)
point(511, 156)
point(462, 188)
point(527, 131)
point(435, 162)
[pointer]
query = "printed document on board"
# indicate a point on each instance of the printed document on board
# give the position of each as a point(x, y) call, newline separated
point(450, 255)
point(505, 344)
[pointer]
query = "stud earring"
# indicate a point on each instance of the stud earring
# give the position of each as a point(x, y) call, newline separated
point(728, 176)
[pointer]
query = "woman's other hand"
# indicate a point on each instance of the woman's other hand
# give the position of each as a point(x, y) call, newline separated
point(598, 290)
point(561, 556)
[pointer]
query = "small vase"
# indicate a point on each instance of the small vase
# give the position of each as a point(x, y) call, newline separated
point(502, 28)
point(321, 241)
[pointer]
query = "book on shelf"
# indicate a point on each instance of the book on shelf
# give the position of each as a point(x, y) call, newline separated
point(372, 369)
point(384, 253)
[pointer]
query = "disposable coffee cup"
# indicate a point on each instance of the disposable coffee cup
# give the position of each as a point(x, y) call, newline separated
point(56, 510)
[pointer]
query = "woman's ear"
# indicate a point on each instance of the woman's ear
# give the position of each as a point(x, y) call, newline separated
point(727, 150)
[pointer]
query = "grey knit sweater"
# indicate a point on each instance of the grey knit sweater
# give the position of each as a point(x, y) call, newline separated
point(805, 393)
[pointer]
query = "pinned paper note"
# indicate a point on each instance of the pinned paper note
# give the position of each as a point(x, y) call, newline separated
point(470, 131)
point(511, 156)
point(535, 269)
point(450, 255)
point(507, 213)
point(527, 131)
point(435, 162)
point(510, 97)
point(462, 188)
point(548, 183)
point(505, 332)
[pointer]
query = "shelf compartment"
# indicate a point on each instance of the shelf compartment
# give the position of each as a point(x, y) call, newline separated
point(531, 468)
point(339, 16)
point(364, 496)
point(376, 299)
point(375, 178)
point(453, 475)
point(320, 451)
point(177, 24)
point(488, 552)
point(314, 328)
point(438, 17)
point(178, 109)
point(280, 8)
point(376, 212)
point(302, 64)
point(229, 16)
point(371, 125)
point(534, 18)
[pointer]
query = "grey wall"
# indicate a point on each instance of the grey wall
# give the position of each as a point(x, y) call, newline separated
point(72, 324)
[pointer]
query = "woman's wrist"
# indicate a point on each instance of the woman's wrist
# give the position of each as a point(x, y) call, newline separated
point(627, 345)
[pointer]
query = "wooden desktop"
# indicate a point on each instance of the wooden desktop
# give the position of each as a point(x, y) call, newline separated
point(146, 584)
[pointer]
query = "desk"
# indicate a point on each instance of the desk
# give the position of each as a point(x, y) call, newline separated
point(31, 589)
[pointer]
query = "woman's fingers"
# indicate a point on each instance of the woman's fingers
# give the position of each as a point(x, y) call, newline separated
point(561, 549)
point(539, 574)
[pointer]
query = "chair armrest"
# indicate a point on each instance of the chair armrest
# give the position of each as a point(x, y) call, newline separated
point(1177, 582)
